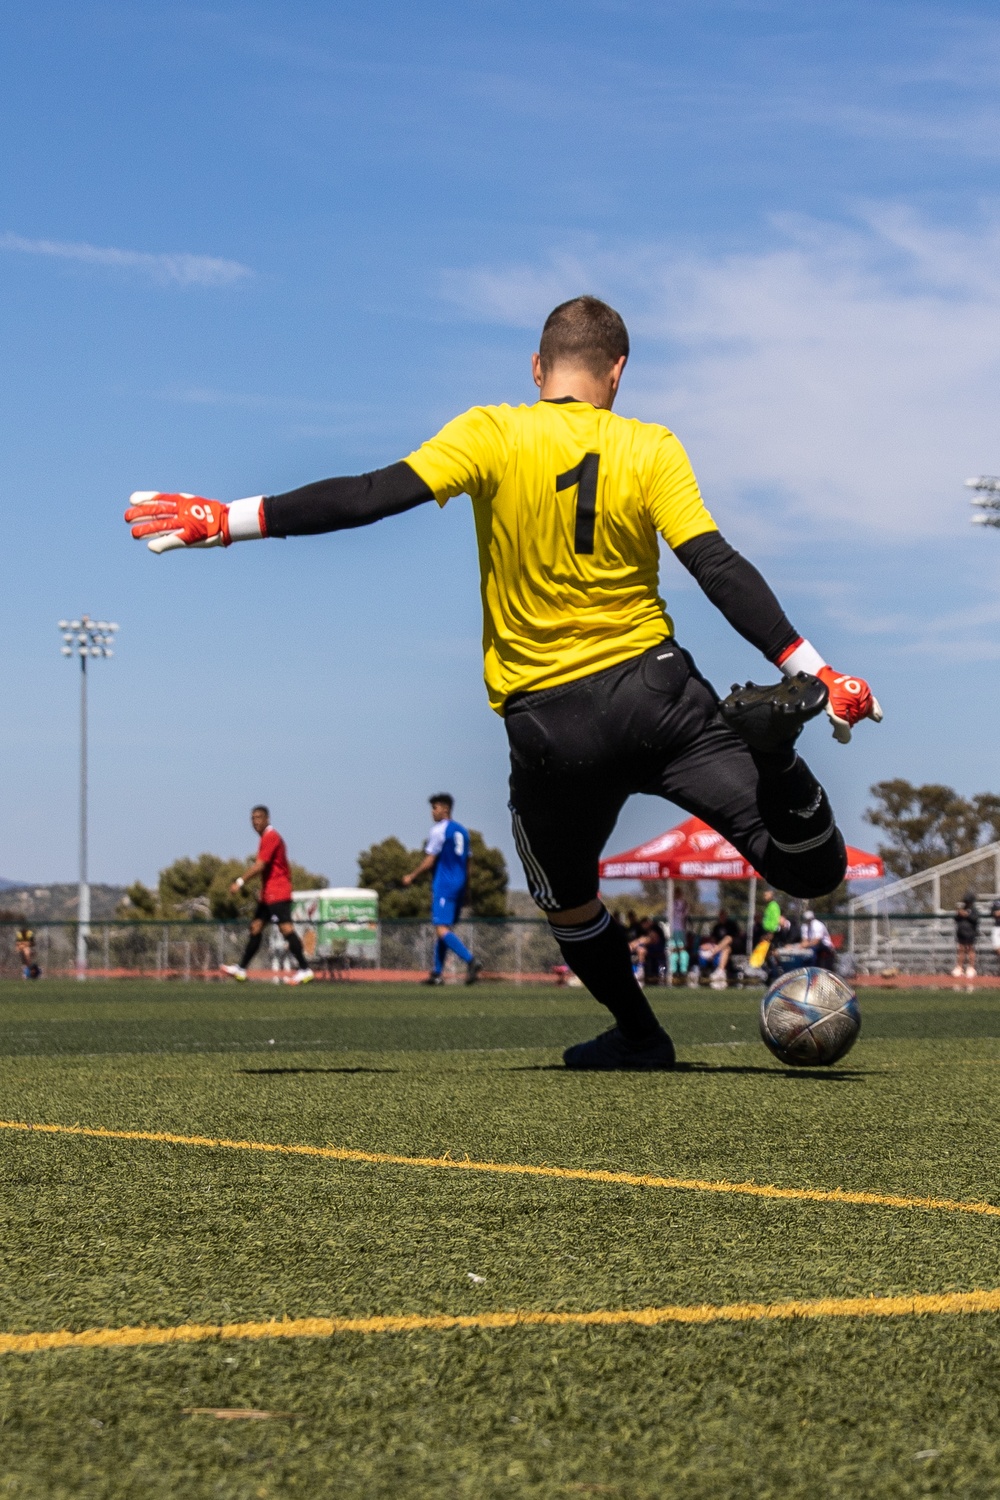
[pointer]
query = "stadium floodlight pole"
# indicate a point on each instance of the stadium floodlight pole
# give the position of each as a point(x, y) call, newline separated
point(986, 499)
point(85, 638)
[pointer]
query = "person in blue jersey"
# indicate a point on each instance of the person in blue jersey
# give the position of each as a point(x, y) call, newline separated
point(446, 852)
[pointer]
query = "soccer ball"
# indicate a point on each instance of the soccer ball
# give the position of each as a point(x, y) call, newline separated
point(809, 1017)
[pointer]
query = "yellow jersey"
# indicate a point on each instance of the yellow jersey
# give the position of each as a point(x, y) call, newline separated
point(568, 500)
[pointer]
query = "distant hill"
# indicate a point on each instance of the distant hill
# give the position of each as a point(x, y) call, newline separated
point(55, 903)
point(10, 885)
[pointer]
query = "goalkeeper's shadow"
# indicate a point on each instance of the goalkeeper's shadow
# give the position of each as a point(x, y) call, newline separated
point(800, 1075)
point(813, 1075)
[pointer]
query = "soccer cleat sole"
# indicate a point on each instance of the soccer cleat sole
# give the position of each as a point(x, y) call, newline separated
point(771, 717)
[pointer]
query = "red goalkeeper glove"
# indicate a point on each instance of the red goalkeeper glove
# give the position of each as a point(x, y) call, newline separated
point(192, 521)
point(850, 700)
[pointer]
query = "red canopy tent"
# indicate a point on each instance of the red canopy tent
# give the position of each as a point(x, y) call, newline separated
point(694, 851)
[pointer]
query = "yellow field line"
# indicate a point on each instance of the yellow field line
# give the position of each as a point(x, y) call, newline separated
point(517, 1169)
point(642, 1317)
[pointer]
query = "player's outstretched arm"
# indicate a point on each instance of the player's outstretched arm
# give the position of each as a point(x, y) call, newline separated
point(737, 589)
point(180, 520)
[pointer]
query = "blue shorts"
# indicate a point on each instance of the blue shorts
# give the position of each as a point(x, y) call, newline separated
point(446, 910)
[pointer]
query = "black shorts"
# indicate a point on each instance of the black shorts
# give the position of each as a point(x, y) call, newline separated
point(280, 911)
point(577, 752)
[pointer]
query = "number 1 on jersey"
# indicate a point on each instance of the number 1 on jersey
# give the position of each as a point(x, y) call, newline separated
point(584, 476)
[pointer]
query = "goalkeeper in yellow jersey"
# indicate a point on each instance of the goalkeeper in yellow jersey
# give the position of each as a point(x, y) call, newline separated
point(599, 698)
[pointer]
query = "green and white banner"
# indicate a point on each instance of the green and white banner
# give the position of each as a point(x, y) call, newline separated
point(337, 920)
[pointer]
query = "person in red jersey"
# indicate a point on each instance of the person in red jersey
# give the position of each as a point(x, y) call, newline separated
point(275, 903)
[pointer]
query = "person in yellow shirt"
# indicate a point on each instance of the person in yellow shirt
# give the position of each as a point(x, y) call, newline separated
point(599, 699)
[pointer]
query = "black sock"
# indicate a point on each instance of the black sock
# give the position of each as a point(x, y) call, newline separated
point(295, 944)
point(253, 943)
point(806, 847)
point(598, 953)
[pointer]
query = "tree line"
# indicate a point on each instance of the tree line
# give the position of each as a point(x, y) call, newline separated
point(195, 889)
point(922, 825)
point(198, 889)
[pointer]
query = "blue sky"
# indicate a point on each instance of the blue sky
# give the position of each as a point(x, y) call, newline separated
point(245, 247)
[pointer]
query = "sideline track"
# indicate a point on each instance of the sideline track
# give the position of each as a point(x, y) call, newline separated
point(642, 1317)
point(516, 1169)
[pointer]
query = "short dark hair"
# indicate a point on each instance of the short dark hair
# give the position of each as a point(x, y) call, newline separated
point(584, 331)
point(444, 797)
point(259, 807)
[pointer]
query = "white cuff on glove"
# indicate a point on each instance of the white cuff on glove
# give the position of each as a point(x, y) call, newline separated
point(805, 658)
point(245, 520)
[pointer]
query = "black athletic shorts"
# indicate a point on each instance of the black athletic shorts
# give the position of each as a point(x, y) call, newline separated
point(577, 752)
point(281, 911)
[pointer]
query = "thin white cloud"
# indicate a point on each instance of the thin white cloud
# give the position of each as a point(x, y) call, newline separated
point(847, 376)
point(178, 268)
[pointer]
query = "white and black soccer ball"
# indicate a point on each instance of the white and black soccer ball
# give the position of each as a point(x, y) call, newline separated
point(809, 1018)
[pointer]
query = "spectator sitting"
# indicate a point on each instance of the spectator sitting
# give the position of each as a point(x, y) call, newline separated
point(680, 958)
point(717, 949)
point(966, 930)
point(816, 940)
point(654, 951)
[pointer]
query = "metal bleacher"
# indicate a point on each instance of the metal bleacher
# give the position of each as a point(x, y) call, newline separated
point(909, 924)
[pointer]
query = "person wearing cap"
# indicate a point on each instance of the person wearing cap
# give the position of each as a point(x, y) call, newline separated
point(816, 935)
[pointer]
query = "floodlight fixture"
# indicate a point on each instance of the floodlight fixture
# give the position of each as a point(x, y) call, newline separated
point(986, 499)
point(84, 638)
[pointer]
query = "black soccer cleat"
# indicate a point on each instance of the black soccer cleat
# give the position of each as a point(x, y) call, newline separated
point(612, 1052)
point(770, 718)
point(433, 979)
point(474, 971)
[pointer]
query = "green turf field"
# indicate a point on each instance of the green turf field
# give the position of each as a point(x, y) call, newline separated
point(124, 1234)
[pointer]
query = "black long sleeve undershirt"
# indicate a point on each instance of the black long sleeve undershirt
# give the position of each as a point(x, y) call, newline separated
point(338, 504)
point(739, 592)
point(734, 586)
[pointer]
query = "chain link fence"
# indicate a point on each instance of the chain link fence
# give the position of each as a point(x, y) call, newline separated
point(514, 949)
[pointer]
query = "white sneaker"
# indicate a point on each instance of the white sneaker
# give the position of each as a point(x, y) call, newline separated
point(301, 976)
point(957, 972)
point(234, 971)
point(718, 980)
point(970, 972)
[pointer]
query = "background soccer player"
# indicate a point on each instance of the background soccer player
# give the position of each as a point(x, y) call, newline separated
point(275, 901)
point(599, 699)
point(446, 852)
